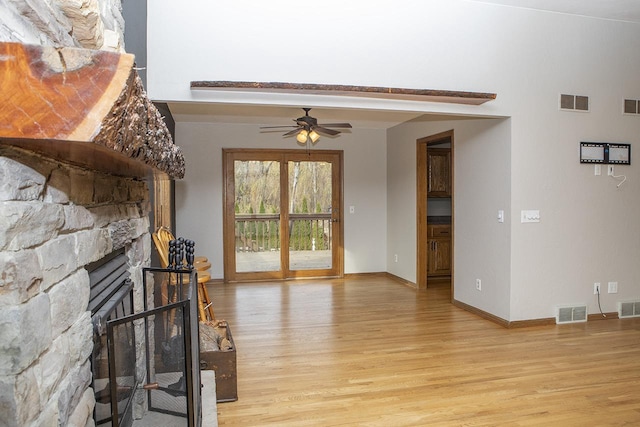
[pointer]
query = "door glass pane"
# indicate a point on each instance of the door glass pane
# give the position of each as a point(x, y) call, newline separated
point(310, 215)
point(257, 215)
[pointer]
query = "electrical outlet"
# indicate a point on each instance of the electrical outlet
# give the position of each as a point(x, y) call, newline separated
point(596, 288)
point(610, 170)
point(395, 258)
point(613, 287)
point(479, 284)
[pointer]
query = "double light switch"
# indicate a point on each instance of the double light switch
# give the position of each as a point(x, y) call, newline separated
point(530, 216)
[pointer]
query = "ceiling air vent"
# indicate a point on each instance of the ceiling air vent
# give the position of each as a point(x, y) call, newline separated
point(572, 314)
point(629, 309)
point(574, 102)
point(631, 106)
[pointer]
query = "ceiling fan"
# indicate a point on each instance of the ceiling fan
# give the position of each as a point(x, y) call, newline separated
point(307, 129)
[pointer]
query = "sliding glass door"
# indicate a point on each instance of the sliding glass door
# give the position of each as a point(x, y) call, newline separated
point(282, 214)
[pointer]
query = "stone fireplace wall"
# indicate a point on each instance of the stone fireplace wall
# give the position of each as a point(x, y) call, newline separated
point(54, 220)
point(91, 24)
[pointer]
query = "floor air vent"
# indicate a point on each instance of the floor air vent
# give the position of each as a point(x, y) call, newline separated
point(629, 309)
point(572, 314)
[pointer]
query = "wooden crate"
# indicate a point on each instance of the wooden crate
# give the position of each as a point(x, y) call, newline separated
point(224, 365)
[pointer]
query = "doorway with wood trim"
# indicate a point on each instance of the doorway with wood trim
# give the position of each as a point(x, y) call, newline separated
point(435, 209)
point(282, 214)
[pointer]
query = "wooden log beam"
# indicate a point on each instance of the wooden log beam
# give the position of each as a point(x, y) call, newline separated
point(83, 106)
point(455, 97)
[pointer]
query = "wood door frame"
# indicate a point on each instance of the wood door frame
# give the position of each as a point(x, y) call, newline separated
point(336, 157)
point(422, 145)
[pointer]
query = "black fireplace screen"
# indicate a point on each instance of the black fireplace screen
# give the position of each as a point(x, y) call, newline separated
point(155, 353)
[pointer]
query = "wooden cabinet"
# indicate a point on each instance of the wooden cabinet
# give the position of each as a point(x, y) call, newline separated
point(439, 250)
point(438, 172)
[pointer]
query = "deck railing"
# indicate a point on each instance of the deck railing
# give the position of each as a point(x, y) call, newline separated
point(261, 232)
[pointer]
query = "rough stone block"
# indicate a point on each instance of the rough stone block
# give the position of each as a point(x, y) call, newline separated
point(132, 211)
point(52, 367)
point(139, 252)
point(140, 401)
point(85, 19)
point(47, 24)
point(49, 415)
point(76, 218)
point(124, 190)
point(139, 227)
point(81, 183)
point(106, 190)
point(111, 11)
point(19, 181)
point(145, 208)
point(146, 248)
point(69, 300)
point(58, 186)
point(25, 333)
point(20, 277)
point(58, 259)
point(15, 28)
point(92, 245)
point(112, 41)
point(27, 397)
point(71, 391)
point(80, 337)
point(104, 215)
point(8, 404)
point(138, 191)
point(120, 233)
point(28, 224)
point(82, 416)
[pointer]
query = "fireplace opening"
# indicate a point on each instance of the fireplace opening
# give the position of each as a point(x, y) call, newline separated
point(111, 297)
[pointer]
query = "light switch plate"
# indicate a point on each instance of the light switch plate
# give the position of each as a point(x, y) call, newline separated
point(529, 216)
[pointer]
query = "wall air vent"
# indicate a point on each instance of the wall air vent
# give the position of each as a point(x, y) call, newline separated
point(574, 102)
point(631, 106)
point(571, 314)
point(629, 309)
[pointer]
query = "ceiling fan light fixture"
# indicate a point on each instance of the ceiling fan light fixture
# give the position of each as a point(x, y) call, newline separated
point(302, 136)
point(314, 136)
point(307, 129)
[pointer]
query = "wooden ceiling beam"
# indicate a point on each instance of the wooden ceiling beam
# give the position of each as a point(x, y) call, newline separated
point(430, 95)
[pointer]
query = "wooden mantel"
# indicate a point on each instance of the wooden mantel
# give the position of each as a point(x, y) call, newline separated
point(84, 107)
point(430, 95)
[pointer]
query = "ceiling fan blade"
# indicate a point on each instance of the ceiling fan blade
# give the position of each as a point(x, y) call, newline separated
point(277, 127)
point(335, 125)
point(325, 131)
point(292, 132)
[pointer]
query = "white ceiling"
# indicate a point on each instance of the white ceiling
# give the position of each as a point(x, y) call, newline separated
point(279, 115)
point(621, 10)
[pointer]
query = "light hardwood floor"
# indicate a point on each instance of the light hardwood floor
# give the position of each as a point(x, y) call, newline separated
point(372, 352)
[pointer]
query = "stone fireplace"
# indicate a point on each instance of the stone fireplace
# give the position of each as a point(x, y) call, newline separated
point(74, 187)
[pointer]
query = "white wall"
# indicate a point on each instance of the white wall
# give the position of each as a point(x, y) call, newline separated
point(481, 187)
point(378, 43)
point(589, 231)
point(199, 194)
